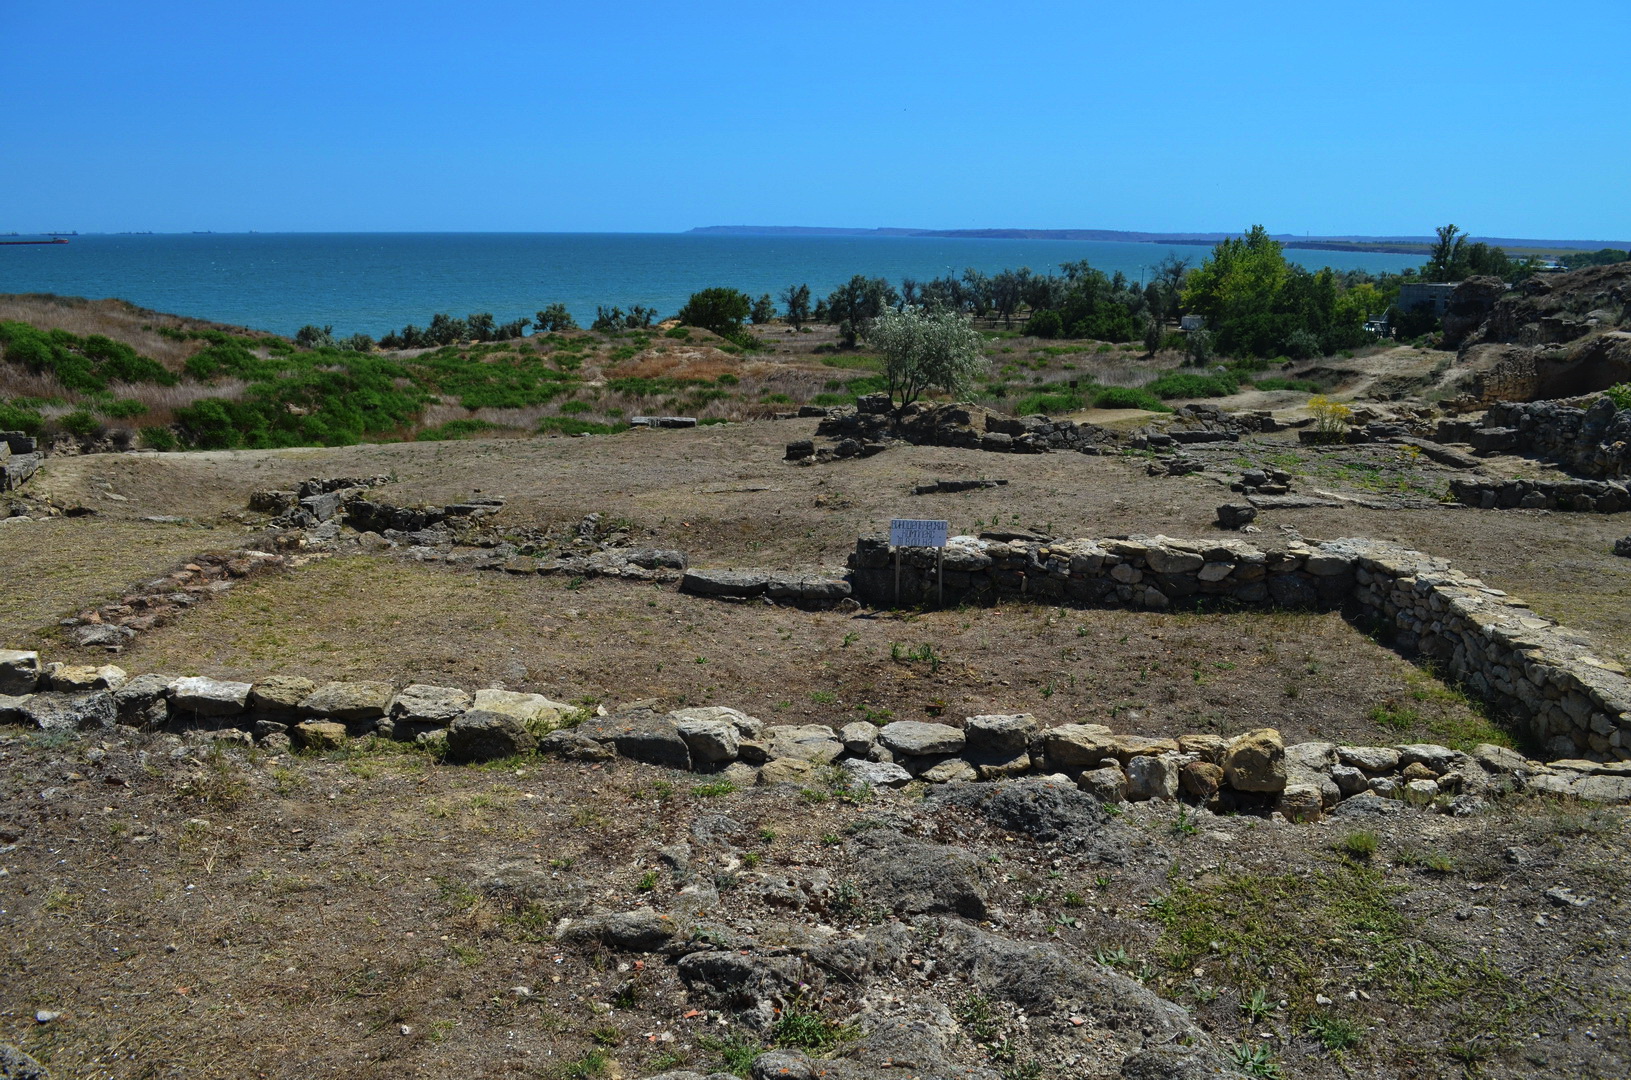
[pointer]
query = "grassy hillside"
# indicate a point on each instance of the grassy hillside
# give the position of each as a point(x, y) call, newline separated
point(95, 368)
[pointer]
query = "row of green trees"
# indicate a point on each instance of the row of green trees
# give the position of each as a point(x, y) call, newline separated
point(1253, 300)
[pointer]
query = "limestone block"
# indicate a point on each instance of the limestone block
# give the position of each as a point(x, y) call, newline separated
point(1000, 733)
point(1256, 762)
point(433, 706)
point(914, 738)
point(209, 697)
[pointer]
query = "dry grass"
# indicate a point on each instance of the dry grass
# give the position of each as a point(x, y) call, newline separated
point(57, 566)
point(116, 319)
point(362, 617)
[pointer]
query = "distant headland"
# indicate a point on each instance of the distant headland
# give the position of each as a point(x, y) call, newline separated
point(1403, 245)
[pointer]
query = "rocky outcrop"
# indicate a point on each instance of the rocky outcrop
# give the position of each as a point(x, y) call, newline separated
point(1552, 308)
point(1552, 336)
point(1469, 306)
point(1590, 437)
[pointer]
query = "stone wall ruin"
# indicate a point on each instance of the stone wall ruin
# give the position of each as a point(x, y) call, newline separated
point(1528, 666)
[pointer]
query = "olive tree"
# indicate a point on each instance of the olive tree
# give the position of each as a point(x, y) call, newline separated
point(923, 350)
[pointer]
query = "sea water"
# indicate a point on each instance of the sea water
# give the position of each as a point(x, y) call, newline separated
point(373, 283)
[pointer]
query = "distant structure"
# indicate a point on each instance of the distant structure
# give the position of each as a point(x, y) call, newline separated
point(1192, 322)
point(1430, 296)
point(1378, 325)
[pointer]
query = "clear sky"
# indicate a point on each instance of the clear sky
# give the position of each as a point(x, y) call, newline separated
point(1507, 118)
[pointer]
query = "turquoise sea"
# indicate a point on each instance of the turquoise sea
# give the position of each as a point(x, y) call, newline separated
point(377, 282)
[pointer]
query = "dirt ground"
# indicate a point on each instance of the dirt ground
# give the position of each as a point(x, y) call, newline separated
point(724, 496)
point(202, 912)
point(196, 912)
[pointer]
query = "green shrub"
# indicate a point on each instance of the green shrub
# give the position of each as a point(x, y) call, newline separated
point(20, 416)
point(85, 364)
point(326, 398)
point(497, 380)
point(576, 407)
point(679, 333)
point(1051, 401)
point(1045, 324)
point(1127, 397)
point(568, 425)
point(159, 437)
point(1620, 395)
point(81, 422)
point(1303, 345)
point(1189, 384)
point(123, 409)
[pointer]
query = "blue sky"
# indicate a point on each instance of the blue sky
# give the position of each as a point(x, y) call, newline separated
point(1378, 119)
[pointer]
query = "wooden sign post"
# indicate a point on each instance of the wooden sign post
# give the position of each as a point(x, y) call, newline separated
point(921, 532)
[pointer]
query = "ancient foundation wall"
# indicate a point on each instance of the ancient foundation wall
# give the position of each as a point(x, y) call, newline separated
point(1526, 665)
point(1592, 441)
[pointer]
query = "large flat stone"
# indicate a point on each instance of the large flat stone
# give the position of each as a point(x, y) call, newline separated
point(725, 582)
point(280, 695)
point(435, 706)
point(69, 712)
point(1000, 734)
point(748, 727)
point(1078, 745)
point(815, 743)
point(640, 735)
point(83, 678)
point(536, 711)
point(710, 741)
point(914, 738)
point(875, 773)
point(482, 735)
point(351, 702)
point(209, 697)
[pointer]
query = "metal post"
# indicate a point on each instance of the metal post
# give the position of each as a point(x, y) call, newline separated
point(897, 577)
point(940, 576)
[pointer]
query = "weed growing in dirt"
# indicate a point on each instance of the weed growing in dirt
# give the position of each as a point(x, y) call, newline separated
point(588, 1067)
point(219, 784)
point(1257, 1060)
point(735, 1052)
point(1253, 929)
point(1334, 1033)
point(808, 1029)
point(1359, 845)
point(1257, 1006)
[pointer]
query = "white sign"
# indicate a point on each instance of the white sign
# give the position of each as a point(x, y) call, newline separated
point(918, 532)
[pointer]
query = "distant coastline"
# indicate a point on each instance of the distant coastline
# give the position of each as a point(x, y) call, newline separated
point(1397, 245)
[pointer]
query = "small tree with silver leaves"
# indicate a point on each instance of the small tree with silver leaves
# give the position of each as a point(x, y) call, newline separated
point(925, 350)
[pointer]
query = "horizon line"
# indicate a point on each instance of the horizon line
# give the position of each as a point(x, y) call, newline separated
point(1176, 237)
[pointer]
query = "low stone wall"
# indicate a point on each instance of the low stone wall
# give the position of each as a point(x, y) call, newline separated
point(1526, 665)
point(19, 459)
point(1591, 440)
point(1254, 772)
point(1589, 496)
